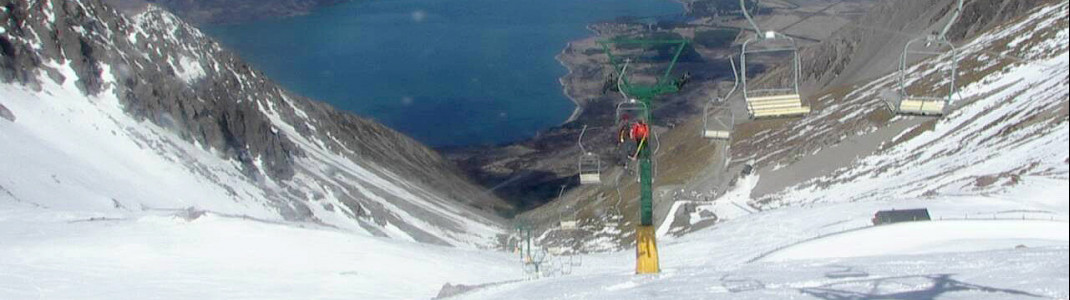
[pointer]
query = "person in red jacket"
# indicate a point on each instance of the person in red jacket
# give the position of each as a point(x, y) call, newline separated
point(639, 133)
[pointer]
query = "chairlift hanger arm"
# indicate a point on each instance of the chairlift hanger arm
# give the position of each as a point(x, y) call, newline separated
point(735, 76)
point(580, 140)
point(746, 13)
point(735, 85)
point(954, 17)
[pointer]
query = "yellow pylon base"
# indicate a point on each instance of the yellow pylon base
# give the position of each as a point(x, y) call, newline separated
point(646, 251)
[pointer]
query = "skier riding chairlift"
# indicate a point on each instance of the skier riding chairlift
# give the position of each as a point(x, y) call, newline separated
point(637, 132)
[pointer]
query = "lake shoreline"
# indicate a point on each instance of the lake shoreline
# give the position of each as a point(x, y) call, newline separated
point(576, 112)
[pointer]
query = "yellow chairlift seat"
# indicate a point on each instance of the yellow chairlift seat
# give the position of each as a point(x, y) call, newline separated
point(590, 178)
point(589, 166)
point(717, 134)
point(777, 106)
point(922, 106)
point(569, 225)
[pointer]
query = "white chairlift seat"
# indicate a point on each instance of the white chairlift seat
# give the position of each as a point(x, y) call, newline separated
point(569, 225)
point(717, 134)
point(777, 106)
point(922, 106)
point(718, 121)
point(589, 166)
point(590, 169)
point(590, 178)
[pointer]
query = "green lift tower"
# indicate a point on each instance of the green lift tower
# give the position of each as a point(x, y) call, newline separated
point(646, 261)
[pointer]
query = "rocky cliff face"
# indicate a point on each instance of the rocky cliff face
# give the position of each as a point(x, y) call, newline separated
point(861, 52)
point(871, 47)
point(167, 73)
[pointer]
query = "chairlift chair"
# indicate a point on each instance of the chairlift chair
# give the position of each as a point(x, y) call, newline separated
point(590, 166)
point(633, 109)
point(925, 105)
point(776, 101)
point(590, 169)
point(718, 120)
point(906, 103)
point(566, 223)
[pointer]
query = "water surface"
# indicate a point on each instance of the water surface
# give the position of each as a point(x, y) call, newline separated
point(446, 72)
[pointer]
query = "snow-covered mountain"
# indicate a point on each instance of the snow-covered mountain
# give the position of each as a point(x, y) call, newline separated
point(1007, 127)
point(98, 183)
point(114, 115)
point(994, 174)
point(1006, 139)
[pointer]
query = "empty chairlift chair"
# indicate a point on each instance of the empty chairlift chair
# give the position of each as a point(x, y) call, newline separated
point(590, 166)
point(590, 169)
point(718, 118)
point(914, 104)
point(775, 101)
point(717, 121)
point(907, 102)
point(567, 214)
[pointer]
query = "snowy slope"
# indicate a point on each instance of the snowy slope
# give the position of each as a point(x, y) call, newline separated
point(159, 255)
point(1001, 240)
point(149, 114)
point(769, 256)
point(993, 174)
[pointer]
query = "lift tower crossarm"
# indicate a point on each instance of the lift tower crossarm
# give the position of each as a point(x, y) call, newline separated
point(665, 85)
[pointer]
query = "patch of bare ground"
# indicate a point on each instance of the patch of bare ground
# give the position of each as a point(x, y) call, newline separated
point(6, 114)
point(913, 133)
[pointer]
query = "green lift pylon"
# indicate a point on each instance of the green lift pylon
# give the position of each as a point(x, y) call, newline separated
point(646, 252)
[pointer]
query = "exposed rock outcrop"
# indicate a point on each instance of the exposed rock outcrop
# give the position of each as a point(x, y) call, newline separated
point(166, 72)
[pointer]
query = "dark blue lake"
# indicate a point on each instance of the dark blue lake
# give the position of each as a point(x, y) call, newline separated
point(446, 72)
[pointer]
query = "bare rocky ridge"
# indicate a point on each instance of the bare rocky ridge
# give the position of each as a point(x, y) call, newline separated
point(871, 48)
point(860, 52)
point(170, 74)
